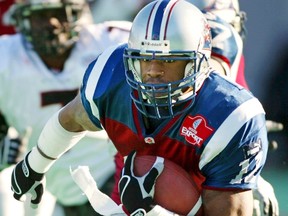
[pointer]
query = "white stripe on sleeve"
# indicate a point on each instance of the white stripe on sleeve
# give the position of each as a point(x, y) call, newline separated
point(94, 78)
point(229, 128)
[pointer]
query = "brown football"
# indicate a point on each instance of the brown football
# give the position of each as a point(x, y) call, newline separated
point(174, 189)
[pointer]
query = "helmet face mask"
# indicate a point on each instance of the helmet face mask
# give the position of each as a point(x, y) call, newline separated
point(54, 38)
point(175, 31)
point(51, 26)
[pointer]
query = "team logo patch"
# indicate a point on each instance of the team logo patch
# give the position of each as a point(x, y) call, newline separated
point(149, 140)
point(195, 130)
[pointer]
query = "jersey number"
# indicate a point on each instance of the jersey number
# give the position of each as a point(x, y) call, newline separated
point(58, 97)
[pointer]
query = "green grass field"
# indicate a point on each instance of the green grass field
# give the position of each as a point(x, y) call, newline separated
point(279, 179)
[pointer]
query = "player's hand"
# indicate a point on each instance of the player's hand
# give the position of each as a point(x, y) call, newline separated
point(137, 193)
point(12, 148)
point(26, 183)
point(265, 202)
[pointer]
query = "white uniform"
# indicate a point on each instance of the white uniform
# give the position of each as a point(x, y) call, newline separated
point(30, 93)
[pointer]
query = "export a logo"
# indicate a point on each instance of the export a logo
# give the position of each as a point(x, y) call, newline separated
point(195, 130)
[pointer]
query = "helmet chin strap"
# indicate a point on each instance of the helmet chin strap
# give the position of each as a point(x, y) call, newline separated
point(186, 94)
point(188, 69)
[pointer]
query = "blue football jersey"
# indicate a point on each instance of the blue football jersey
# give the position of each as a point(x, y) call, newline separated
point(221, 141)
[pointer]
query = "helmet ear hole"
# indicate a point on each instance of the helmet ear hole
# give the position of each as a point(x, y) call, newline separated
point(188, 68)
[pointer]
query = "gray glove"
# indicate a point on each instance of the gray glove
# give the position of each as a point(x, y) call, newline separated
point(265, 201)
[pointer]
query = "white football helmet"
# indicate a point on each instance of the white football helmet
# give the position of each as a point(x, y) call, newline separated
point(163, 29)
point(48, 40)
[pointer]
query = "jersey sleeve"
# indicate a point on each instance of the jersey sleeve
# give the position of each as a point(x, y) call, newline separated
point(235, 155)
point(87, 91)
point(99, 80)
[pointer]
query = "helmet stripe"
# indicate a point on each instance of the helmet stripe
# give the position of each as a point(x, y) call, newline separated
point(149, 20)
point(158, 19)
point(167, 19)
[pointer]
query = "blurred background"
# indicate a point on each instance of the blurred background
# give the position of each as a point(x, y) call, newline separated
point(266, 58)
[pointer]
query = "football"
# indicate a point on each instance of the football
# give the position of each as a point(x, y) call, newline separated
point(174, 189)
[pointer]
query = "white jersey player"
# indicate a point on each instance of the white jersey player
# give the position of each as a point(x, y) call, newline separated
point(32, 88)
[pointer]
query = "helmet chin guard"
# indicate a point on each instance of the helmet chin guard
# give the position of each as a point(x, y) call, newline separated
point(168, 30)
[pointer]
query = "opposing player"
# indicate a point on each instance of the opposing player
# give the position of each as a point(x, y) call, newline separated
point(40, 72)
point(165, 100)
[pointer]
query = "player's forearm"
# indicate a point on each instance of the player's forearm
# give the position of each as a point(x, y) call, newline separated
point(227, 203)
point(54, 141)
point(73, 117)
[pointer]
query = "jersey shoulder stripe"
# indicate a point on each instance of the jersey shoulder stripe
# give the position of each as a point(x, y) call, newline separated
point(98, 78)
point(232, 124)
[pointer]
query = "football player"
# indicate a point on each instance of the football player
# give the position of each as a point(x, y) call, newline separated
point(40, 71)
point(228, 32)
point(162, 99)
